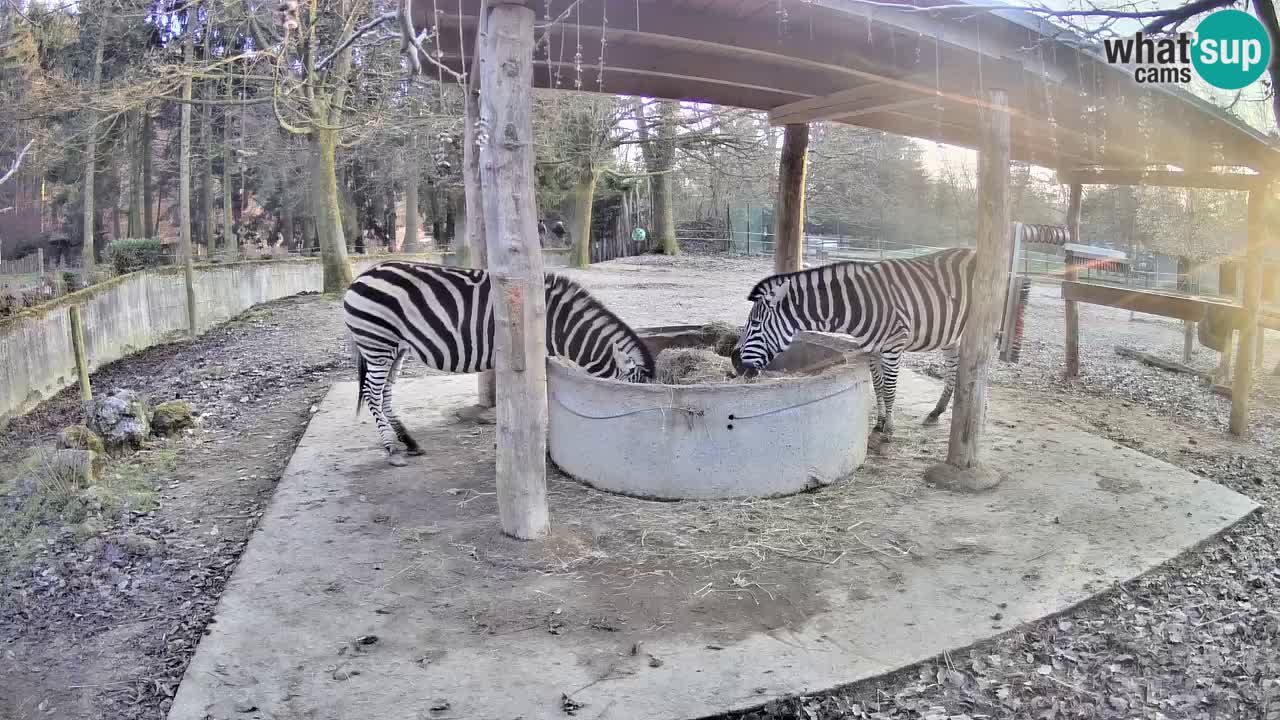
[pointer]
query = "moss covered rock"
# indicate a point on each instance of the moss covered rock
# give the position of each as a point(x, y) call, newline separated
point(172, 417)
point(121, 420)
point(80, 437)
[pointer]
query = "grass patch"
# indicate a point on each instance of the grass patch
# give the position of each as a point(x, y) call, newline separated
point(38, 498)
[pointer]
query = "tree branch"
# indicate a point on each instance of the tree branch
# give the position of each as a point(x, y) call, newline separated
point(17, 163)
point(1178, 15)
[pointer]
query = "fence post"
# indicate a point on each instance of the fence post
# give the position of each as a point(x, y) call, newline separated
point(77, 347)
point(40, 260)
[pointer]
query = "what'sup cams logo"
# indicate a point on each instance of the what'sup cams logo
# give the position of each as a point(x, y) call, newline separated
point(1229, 49)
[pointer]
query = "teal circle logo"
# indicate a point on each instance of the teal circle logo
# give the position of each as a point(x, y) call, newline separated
point(1232, 49)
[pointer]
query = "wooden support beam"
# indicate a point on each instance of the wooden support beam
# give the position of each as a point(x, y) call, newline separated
point(1242, 382)
point(515, 267)
point(1161, 178)
point(477, 250)
point(78, 349)
point(788, 249)
point(474, 242)
point(1152, 302)
point(1069, 275)
point(963, 469)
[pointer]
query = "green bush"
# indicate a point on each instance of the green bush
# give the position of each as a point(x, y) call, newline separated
point(130, 255)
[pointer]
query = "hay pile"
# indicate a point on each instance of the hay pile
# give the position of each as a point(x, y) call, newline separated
point(724, 337)
point(692, 366)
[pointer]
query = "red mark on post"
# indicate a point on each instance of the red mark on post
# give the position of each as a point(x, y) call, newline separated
point(515, 324)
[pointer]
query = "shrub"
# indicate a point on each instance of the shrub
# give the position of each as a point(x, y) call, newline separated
point(130, 255)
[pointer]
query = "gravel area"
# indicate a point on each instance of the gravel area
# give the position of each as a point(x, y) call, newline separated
point(103, 627)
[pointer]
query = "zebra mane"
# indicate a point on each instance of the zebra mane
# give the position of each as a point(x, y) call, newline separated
point(581, 295)
point(770, 283)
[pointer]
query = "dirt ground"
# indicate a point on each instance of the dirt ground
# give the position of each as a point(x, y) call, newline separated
point(103, 626)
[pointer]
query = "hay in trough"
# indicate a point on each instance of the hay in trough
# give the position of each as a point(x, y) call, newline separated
point(692, 366)
point(724, 337)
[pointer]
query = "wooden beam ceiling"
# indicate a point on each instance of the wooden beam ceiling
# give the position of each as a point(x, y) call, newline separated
point(1163, 178)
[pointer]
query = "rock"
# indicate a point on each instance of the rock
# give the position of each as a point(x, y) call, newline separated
point(121, 420)
point(80, 437)
point(171, 417)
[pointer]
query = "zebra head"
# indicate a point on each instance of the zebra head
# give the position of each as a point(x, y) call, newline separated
point(770, 327)
point(634, 365)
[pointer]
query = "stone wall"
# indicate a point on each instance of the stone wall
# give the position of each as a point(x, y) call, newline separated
point(134, 312)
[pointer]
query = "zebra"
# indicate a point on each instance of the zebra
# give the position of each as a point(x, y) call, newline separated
point(889, 307)
point(445, 315)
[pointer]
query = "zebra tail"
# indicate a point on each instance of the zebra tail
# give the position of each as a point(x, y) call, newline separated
point(362, 370)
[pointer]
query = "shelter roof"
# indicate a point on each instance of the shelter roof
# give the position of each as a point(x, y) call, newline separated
point(918, 68)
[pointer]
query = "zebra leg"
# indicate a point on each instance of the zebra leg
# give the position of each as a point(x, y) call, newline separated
point(411, 445)
point(950, 357)
point(374, 391)
point(877, 382)
point(889, 372)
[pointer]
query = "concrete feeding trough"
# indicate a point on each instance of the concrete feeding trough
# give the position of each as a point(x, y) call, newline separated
point(766, 438)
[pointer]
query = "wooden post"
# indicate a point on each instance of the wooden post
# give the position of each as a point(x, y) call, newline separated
point(963, 469)
point(40, 260)
point(1242, 382)
point(477, 250)
point(788, 249)
point(77, 347)
point(515, 265)
point(1069, 273)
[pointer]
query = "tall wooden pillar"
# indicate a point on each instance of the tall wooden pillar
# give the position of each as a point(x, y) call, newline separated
point(515, 266)
point(963, 469)
point(788, 249)
point(1242, 382)
point(1069, 274)
point(476, 249)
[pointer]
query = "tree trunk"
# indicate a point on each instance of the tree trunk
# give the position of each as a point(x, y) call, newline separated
point(389, 221)
point(286, 222)
point(410, 242)
point(135, 176)
point(333, 246)
point(148, 220)
point(659, 159)
point(450, 228)
point(184, 181)
point(664, 214)
point(87, 256)
point(206, 152)
point(584, 192)
point(788, 252)
point(433, 207)
point(230, 241)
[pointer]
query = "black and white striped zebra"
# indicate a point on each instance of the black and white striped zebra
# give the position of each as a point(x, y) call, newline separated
point(445, 315)
point(888, 308)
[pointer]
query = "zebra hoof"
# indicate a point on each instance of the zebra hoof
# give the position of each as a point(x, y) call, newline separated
point(414, 451)
point(397, 460)
point(930, 419)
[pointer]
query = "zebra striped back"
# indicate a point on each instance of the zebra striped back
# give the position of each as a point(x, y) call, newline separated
point(911, 304)
point(446, 316)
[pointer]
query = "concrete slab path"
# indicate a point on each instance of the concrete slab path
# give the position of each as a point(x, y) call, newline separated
point(363, 594)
